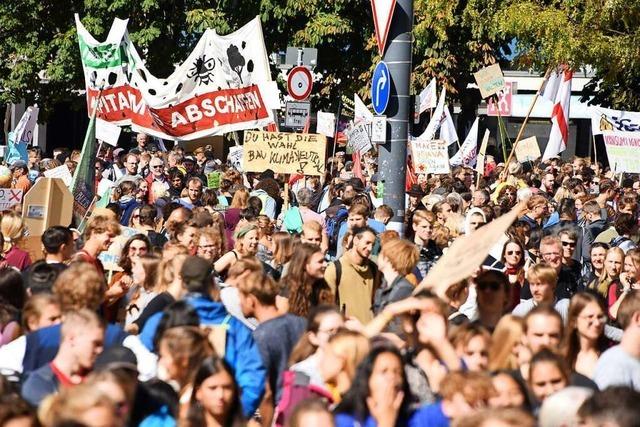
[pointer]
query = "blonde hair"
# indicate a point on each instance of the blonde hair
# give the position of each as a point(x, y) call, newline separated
point(12, 228)
point(475, 387)
point(401, 254)
point(70, 402)
point(100, 224)
point(35, 306)
point(240, 198)
point(542, 272)
point(79, 286)
point(79, 319)
point(352, 347)
point(602, 285)
point(168, 271)
point(506, 336)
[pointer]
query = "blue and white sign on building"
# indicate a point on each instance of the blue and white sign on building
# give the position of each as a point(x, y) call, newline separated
point(380, 87)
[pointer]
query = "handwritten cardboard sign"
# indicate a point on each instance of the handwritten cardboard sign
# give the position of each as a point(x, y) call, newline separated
point(490, 80)
point(430, 156)
point(284, 152)
point(9, 198)
point(623, 150)
point(527, 150)
point(466, 254)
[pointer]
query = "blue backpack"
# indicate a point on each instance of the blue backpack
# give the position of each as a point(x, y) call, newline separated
point(333, 224)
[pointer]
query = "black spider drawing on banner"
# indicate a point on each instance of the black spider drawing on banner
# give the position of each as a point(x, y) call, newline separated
point(202, 70)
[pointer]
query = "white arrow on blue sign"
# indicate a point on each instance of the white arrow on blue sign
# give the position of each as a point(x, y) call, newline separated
point(381, 87)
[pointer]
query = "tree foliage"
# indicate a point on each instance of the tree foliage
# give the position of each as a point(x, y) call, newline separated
point(452, 39)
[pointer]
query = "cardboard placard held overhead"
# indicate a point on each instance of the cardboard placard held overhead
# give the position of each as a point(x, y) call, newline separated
point(284, 152)
point(527, 150)
point(430, 156)
point(359, 140)
point(49, 202)
point(325, 124)
point(490, 80)
point(61, 172)
point(466, 254)
point(9, 197)
point(107, 132)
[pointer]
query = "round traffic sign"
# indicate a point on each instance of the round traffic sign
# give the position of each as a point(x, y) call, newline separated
point(381, 87)
point(299, 83)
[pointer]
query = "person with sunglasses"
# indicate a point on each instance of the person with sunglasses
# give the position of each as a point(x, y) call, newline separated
point(492, 298)
point(156, 175)
point(513, 258)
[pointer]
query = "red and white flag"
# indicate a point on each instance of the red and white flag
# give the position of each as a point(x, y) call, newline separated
point(560, 115)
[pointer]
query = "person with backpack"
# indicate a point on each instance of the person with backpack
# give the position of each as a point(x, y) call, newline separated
point(353, 278)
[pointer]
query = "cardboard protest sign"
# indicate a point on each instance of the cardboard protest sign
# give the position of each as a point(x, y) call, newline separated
point(49, 202)
point(235, 156)
point(466, 254)
point(430, 156)
point(107, 132)
point(358, 138)
point(9, 198)
point(527, 150)
point(61, 172)
point(220, 87)
point(213, 180)
point(490, 80)
point(325, 124)
point(284, 152)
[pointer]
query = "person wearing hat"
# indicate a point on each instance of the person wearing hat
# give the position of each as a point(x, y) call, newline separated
point(240, 350)
point(157, 177)
point(190, 166)
point(20, 179)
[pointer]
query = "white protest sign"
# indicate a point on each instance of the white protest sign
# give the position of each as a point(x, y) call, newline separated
point(527, 150)
point(430, 156)
point(606, 119)
point(326, 124)
point(107, 132)
point(490, 80)
point(61, 172)
point(9, 198)
point(235, 157)
point(359, 138)
point(104, 185)
point(623, 151)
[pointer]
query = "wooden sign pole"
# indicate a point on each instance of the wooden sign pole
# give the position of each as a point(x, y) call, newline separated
point(526, 119)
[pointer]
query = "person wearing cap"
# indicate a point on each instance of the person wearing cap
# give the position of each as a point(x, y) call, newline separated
point(20, 179)
point(190, 165)
point(241, 351)
point(157, 177)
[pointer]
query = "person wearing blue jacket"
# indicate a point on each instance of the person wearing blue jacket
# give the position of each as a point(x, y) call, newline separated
point(241, 351)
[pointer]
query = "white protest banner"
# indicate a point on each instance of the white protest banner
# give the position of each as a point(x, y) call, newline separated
point(448, 128)
point(436, 120)
point(284, 152)
point(61, 172)
point(325, 124)
point(107, 132)
point(490, 80)
point(358, 137)
point(235, 157)
point(430, 156)
point(623, 151)
point(605, 119)
point(527, 150)
point(9, 198)
point(216, 90)
point(482, 153)
point(467, 154)
point(428, 97)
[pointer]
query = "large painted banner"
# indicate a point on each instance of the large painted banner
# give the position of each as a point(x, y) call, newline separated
point(219, 88)
point(620, 131)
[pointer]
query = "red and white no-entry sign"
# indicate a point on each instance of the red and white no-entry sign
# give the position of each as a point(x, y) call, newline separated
point(299, 83)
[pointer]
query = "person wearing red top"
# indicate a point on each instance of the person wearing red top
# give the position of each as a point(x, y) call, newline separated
point(12, 228)
point(99, 234)
point(82, 339)
point(513, 259)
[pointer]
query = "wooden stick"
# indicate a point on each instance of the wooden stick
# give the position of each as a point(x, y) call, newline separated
point(335, 134)
point(526, 119)
point(595, 150)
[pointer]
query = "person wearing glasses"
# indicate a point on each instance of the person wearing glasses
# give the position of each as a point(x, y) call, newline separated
point(513, 258)
point(584, 339)
point(569, 241)
point(131, 163)
point(157, 177)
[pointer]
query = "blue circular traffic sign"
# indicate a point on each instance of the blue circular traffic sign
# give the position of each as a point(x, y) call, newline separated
point(380, 87)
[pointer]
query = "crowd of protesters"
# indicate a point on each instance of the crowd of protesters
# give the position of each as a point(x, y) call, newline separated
point(236, 302)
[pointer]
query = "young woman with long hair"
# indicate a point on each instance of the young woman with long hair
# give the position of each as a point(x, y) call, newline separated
point(283, 245)
point(246, 245)
point(125, 196)
point(187, 234)
point(629, 280)
point(584, 337)
point(379, 392)
point(215, 399)
point(304, 283)
point(505, 343)
point(12, 228)
point(144, 273)
point(548, 373)
point(513, 258)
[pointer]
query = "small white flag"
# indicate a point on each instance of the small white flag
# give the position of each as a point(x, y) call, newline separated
point(467, 154)
point(326, 124)
point(361, 112)
point(428, 97)
point(448, 128)
point(436, 119)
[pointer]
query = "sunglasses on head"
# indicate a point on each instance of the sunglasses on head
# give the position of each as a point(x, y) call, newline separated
point(493, 286)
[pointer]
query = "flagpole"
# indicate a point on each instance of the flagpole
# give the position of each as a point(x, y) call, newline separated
point(501, 131)
point(526, 119)
point(595, 151)
point(335, 134)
